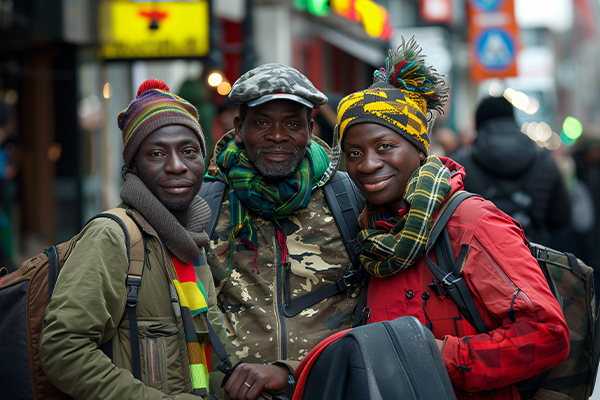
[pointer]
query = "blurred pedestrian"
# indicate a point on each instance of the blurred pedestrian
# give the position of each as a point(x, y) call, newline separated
point(587, 173)
point(508, 168)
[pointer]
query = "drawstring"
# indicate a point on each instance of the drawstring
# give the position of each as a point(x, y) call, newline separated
point(251, 245)
point(282, 244)
point(425, 297)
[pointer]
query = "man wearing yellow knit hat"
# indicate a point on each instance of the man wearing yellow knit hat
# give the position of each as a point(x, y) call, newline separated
point(86, 347)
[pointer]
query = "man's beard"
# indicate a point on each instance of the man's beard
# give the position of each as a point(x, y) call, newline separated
point(281, 169)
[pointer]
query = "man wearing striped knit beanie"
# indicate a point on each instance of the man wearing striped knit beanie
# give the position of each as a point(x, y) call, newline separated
point(86, 348)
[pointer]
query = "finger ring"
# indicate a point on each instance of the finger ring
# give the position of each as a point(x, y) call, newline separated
point(247, 385)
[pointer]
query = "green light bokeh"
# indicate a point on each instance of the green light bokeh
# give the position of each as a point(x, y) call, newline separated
point(572, 128)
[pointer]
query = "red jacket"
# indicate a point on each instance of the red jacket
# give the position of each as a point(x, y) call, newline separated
point(497, 264)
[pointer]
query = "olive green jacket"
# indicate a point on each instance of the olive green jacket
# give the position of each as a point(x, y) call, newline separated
point(252, 302)
point(87, 309)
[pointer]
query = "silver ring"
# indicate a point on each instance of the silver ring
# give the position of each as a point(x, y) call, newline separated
point(247, 385)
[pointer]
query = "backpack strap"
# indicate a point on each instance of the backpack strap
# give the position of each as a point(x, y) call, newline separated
point(448, 270)
point(213, 191)
point(346, 203)
point(136, 253)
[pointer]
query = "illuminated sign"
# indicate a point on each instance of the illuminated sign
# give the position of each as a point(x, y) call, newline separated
point(373, 17)
point(131, 29)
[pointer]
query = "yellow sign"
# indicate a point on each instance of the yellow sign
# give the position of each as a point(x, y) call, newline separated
point(130, 29)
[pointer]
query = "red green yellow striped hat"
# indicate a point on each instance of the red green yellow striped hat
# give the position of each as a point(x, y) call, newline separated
point(154, 107)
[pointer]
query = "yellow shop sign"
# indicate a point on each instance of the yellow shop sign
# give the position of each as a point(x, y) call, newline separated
point(161, 29)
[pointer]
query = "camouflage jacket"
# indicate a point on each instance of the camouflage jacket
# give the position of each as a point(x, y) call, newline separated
point(251, 302)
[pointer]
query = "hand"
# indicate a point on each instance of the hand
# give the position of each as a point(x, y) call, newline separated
point(259, 377)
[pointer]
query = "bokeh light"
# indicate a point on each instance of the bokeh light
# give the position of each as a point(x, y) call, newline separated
point(107, 90)
point(496, 90)
point(520, 100)
point(224, 88)
point(215, 79)
point(565, 139)
point(509, 93)
point(572, 128)
point(533, 107)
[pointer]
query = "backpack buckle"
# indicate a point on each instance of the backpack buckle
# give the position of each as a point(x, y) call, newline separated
point(134, 284)
point(344, 282)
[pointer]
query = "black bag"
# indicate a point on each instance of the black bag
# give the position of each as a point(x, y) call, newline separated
point(396, 359)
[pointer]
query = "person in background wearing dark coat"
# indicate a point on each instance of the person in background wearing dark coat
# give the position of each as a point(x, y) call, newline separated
point(508, 168)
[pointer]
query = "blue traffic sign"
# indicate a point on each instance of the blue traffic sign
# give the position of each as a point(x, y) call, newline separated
point(487, 5)
point(495, 49)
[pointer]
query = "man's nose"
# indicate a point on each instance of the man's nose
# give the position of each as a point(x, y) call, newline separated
point(175, 163)
point(277, 133)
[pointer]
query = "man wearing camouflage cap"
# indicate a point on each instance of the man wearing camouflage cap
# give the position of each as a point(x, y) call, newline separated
point(275, 239)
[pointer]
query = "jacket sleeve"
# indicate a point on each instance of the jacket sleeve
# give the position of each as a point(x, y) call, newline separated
point(527, 331)
point(86, 308)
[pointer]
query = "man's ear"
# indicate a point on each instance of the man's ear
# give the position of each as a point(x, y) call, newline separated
point(311, 125)
point(237, 124)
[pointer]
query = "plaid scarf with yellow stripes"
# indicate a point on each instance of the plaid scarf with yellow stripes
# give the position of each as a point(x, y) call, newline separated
point(386, 254)
point(272, 200)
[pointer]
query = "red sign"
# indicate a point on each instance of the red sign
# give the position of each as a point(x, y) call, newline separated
point(493, 36)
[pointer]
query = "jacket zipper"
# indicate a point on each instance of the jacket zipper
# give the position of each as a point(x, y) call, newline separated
point(279, 299)
point(507, 279)
point(400, 352)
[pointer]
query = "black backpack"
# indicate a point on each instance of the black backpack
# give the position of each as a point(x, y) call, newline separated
point(572, 283)
point(396, 359)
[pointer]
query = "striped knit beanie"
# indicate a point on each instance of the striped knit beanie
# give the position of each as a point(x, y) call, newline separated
point(403, 97)
point(154, 107)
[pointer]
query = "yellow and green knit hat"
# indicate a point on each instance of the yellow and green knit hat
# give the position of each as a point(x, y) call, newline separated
point(403, 97)
point(154, 107)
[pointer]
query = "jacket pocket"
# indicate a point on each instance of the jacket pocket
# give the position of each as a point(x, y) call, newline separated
point(159, 351)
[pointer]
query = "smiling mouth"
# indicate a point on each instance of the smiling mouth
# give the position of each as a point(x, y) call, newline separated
point(376, 186)
point(177, 188)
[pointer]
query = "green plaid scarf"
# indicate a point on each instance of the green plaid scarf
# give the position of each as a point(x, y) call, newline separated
point(386, 254)
point(271, 199)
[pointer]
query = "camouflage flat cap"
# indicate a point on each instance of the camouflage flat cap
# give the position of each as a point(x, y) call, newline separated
point(275, 82)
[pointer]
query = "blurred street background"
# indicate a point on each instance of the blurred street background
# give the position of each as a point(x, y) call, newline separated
point(68, 67)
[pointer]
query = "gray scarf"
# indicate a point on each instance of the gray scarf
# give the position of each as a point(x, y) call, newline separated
point(184, 242)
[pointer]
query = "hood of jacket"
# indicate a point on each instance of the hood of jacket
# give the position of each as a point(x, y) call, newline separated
point(214, 170)
point(457, 173)
point(501, 150)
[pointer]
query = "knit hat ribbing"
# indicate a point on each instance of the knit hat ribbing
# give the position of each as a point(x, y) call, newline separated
point(153, 108)
point(403, 98)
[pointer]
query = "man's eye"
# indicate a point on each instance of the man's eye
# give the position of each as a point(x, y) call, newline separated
point(189, 152)
point(385, 146)
point(156, 154)
point(354, 154)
